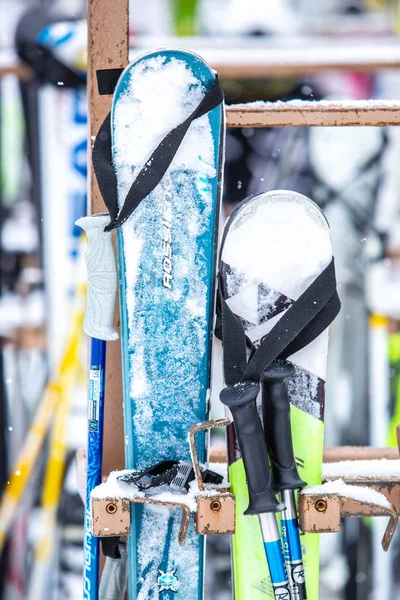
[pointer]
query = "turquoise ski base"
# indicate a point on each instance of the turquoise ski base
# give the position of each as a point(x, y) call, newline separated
point(166, 344)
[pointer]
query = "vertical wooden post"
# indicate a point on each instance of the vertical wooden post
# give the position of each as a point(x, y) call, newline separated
point(108, 47)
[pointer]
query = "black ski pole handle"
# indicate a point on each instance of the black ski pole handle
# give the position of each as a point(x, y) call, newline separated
point(241, 399)
point(277, 428)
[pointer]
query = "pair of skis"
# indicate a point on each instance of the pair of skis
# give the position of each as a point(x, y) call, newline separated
point(158, 158)
point(274, 307)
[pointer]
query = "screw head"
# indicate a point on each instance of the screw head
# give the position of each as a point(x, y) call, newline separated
point(215, 505)
point(321, 505)
point(111, 508)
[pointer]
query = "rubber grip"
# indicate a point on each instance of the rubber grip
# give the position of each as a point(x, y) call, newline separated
point(102, 278)
point(242, 402)
point(277, 428)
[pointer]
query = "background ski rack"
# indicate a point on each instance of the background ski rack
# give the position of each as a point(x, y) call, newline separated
point(108, 46)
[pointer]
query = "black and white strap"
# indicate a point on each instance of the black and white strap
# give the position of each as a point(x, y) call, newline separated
point(304, 321)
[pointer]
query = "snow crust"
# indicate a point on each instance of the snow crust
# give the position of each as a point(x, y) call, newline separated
point(160, 96)
point(306, 248)
point(338, 486)
point(361, 468)
point(309, 104)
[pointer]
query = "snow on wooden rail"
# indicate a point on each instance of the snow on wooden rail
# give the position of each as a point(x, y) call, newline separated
point(298, 113)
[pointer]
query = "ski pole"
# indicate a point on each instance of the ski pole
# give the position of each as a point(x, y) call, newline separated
point(99, 314)
point(278, 435)
point(29, 454)
point(241, 399)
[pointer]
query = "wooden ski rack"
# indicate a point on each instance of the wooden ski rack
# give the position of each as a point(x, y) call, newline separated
point(215, 508)
point(320, 512)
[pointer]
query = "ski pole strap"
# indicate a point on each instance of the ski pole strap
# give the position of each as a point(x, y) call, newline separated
point(154, 169)
point(304, 321)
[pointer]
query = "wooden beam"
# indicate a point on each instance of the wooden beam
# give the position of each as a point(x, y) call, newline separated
point(297, 113)
point(269, 71)
point(107, 48)
point(236, 57)
point(23, 72)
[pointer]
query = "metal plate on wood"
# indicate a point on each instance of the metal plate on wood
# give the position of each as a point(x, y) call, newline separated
point(110, 517)
point(215, 514)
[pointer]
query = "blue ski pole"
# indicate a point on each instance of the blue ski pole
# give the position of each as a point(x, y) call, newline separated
point(102, 287)
point(278, 435)
point(241, 399)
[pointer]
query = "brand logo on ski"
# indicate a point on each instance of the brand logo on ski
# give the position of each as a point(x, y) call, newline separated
point(167, 581)
point(167, 246)
point(281, 593)
point(298, 574)
point(88, 557)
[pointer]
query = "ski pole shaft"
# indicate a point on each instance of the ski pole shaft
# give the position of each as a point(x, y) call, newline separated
point(275, 558)
point(242, 402)
point(98, 323)
point(292, 547)
point(94, 463)
point(278, 434)
point(29, 454)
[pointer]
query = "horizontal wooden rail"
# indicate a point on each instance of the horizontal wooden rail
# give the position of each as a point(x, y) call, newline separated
point(297, 113)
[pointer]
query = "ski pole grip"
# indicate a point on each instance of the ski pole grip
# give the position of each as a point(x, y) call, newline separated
point(242, 402)
point(277, 428)
point(102, 278)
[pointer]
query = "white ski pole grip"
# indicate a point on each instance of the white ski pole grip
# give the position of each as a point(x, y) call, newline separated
point(102, 278)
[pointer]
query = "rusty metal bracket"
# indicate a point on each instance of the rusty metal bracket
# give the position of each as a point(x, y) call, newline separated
point(214, 514)
point(321, 513)
point(215, 507)
point(196, 428)
point(112, 516)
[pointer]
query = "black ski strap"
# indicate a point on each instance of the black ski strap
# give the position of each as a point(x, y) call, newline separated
point(107, 80)
point(304, 321)
point(154, 169)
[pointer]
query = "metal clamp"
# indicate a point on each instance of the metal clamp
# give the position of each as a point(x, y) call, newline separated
point(321, 513)
point(214, 514)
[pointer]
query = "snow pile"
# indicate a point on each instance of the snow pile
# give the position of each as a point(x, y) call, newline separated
point(361, 469)
point(328, 104)
point(355, 492)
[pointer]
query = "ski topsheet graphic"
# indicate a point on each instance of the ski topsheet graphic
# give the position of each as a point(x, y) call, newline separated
point(166, 127)
point(275, 251)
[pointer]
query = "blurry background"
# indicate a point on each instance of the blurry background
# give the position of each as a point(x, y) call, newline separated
point(352, 173)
